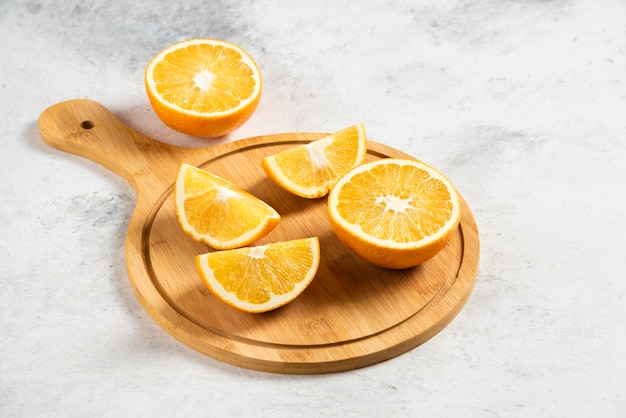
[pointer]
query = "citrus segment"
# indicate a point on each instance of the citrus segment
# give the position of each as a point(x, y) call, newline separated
point(217, 212)
point(310, 170)
point(394, 213)
point(262, 278)
point(203, 87)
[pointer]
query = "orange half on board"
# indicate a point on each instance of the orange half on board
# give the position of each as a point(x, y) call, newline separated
point(394, 213)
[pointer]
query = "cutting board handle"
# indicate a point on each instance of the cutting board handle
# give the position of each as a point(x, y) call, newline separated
point(87, 128)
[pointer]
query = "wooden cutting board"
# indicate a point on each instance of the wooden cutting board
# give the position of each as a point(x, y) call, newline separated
point(352, 315)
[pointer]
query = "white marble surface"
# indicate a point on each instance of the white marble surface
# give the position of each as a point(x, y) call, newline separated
point(521, 103)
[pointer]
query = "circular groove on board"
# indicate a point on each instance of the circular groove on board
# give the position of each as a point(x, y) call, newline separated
point(149, 242)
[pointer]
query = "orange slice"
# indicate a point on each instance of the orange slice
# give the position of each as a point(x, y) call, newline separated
point(262, 278)
point(394, 213)
point(215, 211)
point(310, 170)
point(203, 87)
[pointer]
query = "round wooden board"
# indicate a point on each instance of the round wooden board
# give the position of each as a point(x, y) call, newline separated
point(352, 315)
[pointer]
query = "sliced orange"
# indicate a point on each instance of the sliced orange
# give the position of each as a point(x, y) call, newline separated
point(394, 213)
point(262, 278)
point(203, 87)
point(310, 170)
point(217, 212)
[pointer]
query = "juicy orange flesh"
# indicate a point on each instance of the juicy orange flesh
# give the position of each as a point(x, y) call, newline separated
point(255, 279)
point(395, 202)
point(230, 79)
point(324, 159)
point(219, 211)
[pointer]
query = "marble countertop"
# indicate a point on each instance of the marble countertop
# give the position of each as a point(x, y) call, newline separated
point(521, 103)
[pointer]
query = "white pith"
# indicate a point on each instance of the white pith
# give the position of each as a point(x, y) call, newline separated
point(203, 79)
point(224, 193)
point(394, 203)
point(257, 252)
point(317, 152)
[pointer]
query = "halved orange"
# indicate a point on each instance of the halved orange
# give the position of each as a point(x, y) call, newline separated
point(203, 87)
point(310, 170)
point(215, 211)
point(261, 278)
point(394, 213)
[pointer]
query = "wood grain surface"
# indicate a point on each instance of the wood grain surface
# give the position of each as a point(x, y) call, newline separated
point(352, 315)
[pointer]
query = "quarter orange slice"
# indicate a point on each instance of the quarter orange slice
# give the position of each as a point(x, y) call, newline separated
point(203, 87)
point(310, 170)
point(217, 212)
point(262, 278)
point(394, 213)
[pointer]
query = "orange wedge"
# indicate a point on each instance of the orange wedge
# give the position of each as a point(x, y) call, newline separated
point(262, 278)
point(310, 170)
point(394, 213)
point(203, 87)
point(215, 211)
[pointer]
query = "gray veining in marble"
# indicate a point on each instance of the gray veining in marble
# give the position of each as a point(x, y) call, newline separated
point(521, 103)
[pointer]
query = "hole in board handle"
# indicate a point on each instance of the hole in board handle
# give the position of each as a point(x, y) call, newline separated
point(87, 124)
